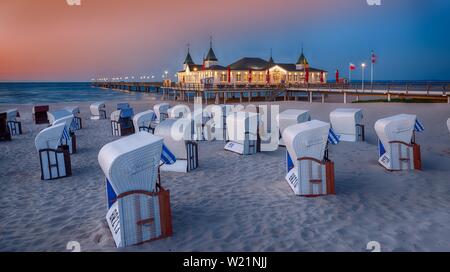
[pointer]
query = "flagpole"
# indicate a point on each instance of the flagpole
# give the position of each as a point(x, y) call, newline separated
point(371, 74)
point(349, 73)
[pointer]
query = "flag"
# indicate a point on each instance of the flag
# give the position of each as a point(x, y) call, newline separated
point(373, 57)
point(268, 77)
point(321, 77)
point(306, 74)
point(229, 74)
point(337, 76)
point(250, 76)
point(352, 67)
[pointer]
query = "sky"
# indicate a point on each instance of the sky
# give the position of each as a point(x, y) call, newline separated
point(48, 40)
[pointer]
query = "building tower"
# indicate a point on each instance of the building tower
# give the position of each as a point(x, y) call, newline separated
point(188, 61)
point(302, 62)
point(210, 59)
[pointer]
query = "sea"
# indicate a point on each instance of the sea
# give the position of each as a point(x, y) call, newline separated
point(36, 93)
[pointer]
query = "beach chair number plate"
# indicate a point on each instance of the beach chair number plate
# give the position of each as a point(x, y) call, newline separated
point(235, 147)
point(292, 178)
point(113, 218)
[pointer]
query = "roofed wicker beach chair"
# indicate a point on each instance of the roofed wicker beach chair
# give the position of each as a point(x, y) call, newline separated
point(98, 110)
point(13, 121)
point(77, 125)
point(69, 138)
point(178, 111)
point(310, 172)
point(216, 127)
point(5, 134)
point(122, 122)
point(138, 206)
point(347, 123)
point(242, 131)
point(397, 147)
point(143, 121)
point(40, 114)
point(291, 117)
point(448, 124)
point(161, 111)
point(54, 158)
point(177, 135)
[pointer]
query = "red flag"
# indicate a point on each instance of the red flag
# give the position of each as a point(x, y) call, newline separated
point(306, 74)
point(321, 76)
point(352, 67)
point(374, 57)
point(250, 76)
point(268, 77)
point(337, 76)
point(229, 74)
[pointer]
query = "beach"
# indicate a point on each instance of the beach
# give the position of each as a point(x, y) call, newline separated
point(237, 203)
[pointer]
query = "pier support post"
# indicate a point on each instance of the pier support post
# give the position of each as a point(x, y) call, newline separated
point(389, 97)
point(217, 98)
point(310, 97)
point(357, 98)
point(448, 99)
point(249, 96)
point(323, 98)
point(345, 97)
point(240, 97)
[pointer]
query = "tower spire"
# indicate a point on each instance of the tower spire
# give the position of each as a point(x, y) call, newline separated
point(271, 57)
point(188, 60)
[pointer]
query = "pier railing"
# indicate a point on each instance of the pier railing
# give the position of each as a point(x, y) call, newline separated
point(416, 90)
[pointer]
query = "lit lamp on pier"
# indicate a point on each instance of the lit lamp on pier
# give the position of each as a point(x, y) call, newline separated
point(363, 66)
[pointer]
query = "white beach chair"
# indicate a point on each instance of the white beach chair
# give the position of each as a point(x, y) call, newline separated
point(122, 122)
point(347, 124)
point(291, 117)
point(161, 111)
point(448, 124)
point(216, 127)
point(143, 121)
point(69, 138)
point(98, 110)
point(54, 158)
point(138, 207)
point(309, 171)
point(242, 131)
point(58, 114)
point(13, 122)
point(76, 117)
point(178, 111)
point(396, 146)
point(177, 135)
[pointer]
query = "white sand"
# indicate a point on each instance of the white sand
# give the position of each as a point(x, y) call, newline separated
point(235, 203)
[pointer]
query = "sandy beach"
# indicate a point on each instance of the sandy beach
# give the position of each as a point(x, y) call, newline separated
point(238, 203)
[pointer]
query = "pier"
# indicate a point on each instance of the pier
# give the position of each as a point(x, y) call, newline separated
point(348, 92)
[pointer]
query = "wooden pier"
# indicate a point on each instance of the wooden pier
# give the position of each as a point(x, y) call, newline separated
point(223, 93)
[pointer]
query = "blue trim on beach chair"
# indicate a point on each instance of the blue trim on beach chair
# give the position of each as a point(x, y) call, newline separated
point(333, 138)
point(167, 156)
point(381, 149)
point(289, 162)
point(418, 126)
point(110, 194)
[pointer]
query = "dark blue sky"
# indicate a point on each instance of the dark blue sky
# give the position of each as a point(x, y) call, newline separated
point(411, 39)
